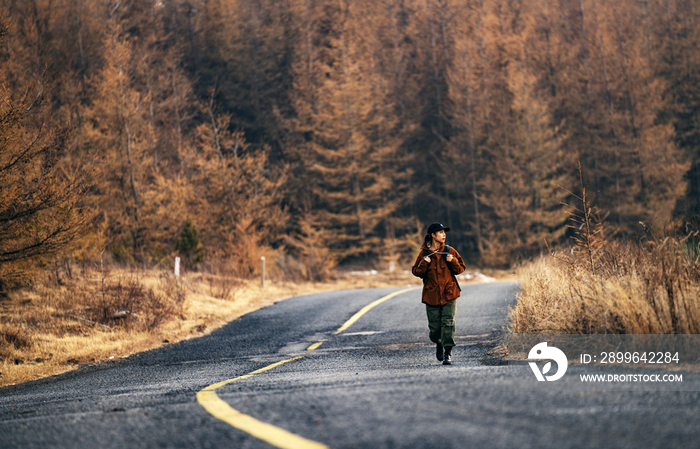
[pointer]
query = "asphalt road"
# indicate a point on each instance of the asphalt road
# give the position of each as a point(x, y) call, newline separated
point(376, 385)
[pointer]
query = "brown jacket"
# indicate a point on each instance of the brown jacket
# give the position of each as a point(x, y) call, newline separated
point(438, 286)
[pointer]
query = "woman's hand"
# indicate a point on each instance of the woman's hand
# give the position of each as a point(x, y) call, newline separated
point(449, 258)
point(427, 259)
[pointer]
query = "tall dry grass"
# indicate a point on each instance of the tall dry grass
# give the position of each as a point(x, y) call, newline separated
point(634, 289)
point(90, 316)
point(602, 286)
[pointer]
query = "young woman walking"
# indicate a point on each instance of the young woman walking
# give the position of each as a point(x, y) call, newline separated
point(438, 267)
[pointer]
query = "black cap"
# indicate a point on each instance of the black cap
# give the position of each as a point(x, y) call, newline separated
point(435, 227)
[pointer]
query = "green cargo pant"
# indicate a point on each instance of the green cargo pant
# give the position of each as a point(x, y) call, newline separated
point(441, 322)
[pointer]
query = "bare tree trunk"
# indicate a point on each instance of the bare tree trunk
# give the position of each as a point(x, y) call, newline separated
point(351, 127)
point(79, 24)
point(584, 44)
point(131, 167)
point(611, 111)
point(153, 145)
point(400, 90)
point(178, 118)
point(130, 160)
point(472, 156)
point(38, 44)
point(215, 126)
point(398, 73)
point(436, 69)
point(631, 103)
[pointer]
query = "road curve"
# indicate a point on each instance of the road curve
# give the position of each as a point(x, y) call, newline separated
point(376, 384)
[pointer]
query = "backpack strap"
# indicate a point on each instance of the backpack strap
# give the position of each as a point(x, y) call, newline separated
point(454, 277)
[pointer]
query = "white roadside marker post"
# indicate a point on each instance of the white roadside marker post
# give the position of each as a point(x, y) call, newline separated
point(177, 267)
point(262, 272)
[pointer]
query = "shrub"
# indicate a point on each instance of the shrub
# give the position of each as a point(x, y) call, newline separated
point(188, 246)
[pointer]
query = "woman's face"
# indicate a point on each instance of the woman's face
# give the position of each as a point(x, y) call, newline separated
point(439, 236)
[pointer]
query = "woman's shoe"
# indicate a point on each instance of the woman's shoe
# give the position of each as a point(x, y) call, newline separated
point(439, 353)
point(447, 359)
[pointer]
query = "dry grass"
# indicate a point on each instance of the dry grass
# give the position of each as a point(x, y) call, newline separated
point(603, 286)
point(623, 288)
point(97, 316)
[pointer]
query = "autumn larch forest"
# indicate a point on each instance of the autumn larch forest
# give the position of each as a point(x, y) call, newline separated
point(326, 132)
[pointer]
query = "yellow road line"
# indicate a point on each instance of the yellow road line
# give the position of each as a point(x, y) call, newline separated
point(273, 435)
point(260, 430)
point(314, 346)
point(366, 309)
point(251, 374)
